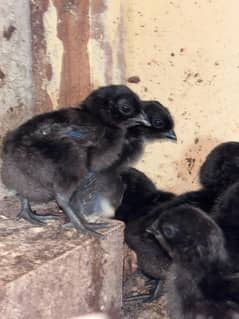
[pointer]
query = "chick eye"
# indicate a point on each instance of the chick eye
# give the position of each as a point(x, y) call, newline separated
point(125, 109)
point(169, 231)
point(157, 123)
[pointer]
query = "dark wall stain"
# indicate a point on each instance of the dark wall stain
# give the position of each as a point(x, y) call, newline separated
point(134, 79)
point(74, 34)
point(190, 163)
point(7, 34)
point(2, 77)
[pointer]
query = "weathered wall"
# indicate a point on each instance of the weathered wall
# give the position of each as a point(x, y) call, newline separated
point(186, 54)
point(15, 66)
point(77, 45)
point(60, 60)
point(15, 63)
point(105, 46)
point(54, 52)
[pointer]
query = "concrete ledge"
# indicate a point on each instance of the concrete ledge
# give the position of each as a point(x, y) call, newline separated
point(49, 273)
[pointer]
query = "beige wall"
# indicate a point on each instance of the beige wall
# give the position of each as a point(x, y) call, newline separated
point(186, 54)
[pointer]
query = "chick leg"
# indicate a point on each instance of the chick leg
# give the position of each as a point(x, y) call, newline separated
point(27, 214)
point(77, 220)
point(155, 294)
point(147, 297)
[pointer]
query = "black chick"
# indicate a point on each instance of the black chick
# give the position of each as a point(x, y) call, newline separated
point(221, 167)
point(51, 155)
point(139, 198)
point(202, 198)
point(161, 127)
point(226, 213)
point(198, 283)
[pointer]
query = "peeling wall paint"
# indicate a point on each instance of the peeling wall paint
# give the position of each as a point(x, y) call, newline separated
point(97, 63)
point(54, 53)
point(186, 54)
point(114, 35)
point(105, 46)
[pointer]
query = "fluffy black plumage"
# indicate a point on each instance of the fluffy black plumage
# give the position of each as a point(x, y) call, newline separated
point(139, 198)
point(226, 213)
point(202, 198)
point(220, 174)
point(51, 155)
point(161, 127)
point(100, 195)
point(221, 167)
point(199, 283)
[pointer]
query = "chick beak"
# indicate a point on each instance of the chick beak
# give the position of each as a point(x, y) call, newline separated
point(170, 134)
point(142, 119)
point(153, 229)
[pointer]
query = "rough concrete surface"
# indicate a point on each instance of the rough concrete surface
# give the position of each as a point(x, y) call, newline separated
point(15, 63)
point(47, 272)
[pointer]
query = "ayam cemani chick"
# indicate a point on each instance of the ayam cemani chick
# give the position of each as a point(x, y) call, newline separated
point(199, 283)
point(161, 127)
point(140, 197)
point(94, 203)
point(52, 154)
point(220, 175)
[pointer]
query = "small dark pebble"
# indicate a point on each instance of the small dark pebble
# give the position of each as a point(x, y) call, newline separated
point(134, 79)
